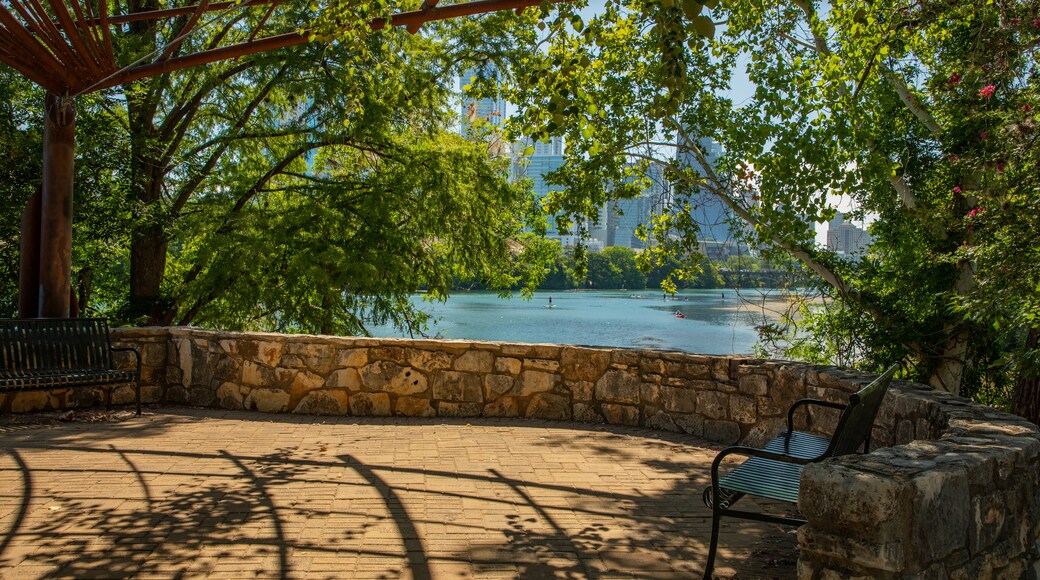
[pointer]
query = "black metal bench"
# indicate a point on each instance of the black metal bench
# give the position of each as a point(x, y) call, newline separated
point(775, 471)
point(56, 353)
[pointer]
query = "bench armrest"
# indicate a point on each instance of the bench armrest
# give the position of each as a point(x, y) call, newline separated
point(137, 353)
point(807, 402)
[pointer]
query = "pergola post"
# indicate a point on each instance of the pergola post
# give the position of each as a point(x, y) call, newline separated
point(59, 141)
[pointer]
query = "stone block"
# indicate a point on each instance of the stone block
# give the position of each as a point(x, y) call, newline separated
point(370, 405)
point(531, 350)
point(754, 384)
point(458, 386)
point(875, 560)
point(153, 354)
point(269, 352)
point(354, 358)
point(712, 405)
point(148, 395)
point(29, 401)
point(394, 354)
point(496, 385)
point(349, 379)
point(320, 358)
point(407, 381)
point(230, 396)
point(541, 364)
point(586, 413)
point(475, 361)
point(581, 390)
point(661, 420)
point(414, 407)
point(941, 513)
point(174, 394)
point(378, 374)
point(620, 414)
point(531, 382)
point(871, 506)
point(303, 383)
point(507, 365)
point(651, 366)
point(618, 386)
point(267, 400)
point(624, 358)
point(197, 396)
point(451, 409)
point(583, 364)
point(548, 406)
point(323, 402)
point(503, 407)
point(674, 399)
point(764, 430)
point(226, 368)
point(689, 423)
point(743, 409)
point(429, 360)
point(726, 432)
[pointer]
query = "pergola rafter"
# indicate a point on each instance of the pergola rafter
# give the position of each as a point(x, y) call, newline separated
point(66, 47)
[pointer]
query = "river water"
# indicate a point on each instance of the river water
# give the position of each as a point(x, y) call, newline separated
point(716, 321)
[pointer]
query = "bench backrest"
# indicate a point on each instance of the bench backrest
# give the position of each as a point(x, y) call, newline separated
point(858, 418)
point(38, 345)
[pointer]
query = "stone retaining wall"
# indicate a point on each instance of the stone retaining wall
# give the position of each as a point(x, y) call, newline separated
point(952, 489)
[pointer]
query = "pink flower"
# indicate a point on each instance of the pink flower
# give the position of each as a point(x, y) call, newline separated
point(1027, 108)
point(955, 79)
point(1000, 166)
point(1014, 22)
point(974, 212)
point(954, 158)
point(956, 189)
point(987, 91)
point(983, 135)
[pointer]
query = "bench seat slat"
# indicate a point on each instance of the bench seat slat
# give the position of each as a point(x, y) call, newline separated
point(765, 478)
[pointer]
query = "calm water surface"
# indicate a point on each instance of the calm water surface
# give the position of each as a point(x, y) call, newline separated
point(715, 321)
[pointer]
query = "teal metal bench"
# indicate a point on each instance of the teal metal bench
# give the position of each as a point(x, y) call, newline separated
point(42, 354)
point(775, 470)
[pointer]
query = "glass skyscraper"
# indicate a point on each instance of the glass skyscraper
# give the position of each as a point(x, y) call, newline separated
point(490, 110)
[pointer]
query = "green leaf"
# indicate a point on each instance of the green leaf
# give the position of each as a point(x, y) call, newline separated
point(703, 26)
point(692, 8)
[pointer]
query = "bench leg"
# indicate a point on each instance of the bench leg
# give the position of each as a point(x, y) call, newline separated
point(709, 566)
point(108, 398)
point(137, 393)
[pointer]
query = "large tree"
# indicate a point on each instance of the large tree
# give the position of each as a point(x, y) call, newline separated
point(307, 189)
point(921, 112)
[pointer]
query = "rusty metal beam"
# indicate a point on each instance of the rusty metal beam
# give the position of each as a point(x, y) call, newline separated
point(407, 19)
point(184, 10)
point(59, 140)
point(183, 34)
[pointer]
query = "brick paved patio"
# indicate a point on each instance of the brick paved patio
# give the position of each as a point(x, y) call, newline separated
point(188, 493)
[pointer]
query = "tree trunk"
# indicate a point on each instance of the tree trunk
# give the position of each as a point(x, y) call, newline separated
point(149, 243)
point(1027, 385)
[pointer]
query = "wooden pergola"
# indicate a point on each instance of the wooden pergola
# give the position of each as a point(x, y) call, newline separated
point(65, 47)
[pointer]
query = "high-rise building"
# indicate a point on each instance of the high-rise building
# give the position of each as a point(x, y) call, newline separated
point(847, 239)
point(624, 216)
point(716, 221)
point(545, 158)
point(490, 110)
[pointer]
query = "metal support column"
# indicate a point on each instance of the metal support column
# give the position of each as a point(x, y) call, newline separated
point(59, 141)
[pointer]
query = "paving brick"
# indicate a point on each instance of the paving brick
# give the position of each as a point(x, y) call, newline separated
point(229, 494)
